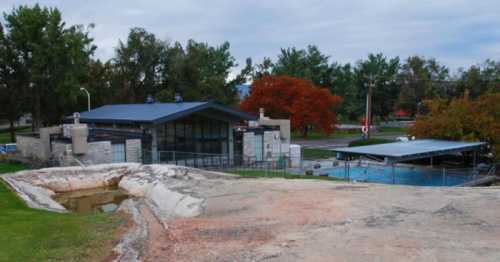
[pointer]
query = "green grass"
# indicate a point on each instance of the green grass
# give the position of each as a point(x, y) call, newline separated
point(319, 135)
point(317, 153)
point(349, 133)
point(392, 130)
point(371, 141)
point(35, 235)
point(270, 174)
point(5, 134)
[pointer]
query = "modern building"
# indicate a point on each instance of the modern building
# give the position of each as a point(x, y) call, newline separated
point(168, 128)
point(185, 133)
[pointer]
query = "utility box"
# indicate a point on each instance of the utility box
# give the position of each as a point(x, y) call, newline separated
point(79, 135)
point(295, 155)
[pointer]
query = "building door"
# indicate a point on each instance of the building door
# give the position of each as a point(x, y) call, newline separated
point(118, 153)
point(258, 147)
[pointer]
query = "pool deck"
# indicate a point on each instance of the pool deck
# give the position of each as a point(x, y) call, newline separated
point(297, 220)
point(183, 214)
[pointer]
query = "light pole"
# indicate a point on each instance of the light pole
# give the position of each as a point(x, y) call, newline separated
point(368, 117)
point(88, 97)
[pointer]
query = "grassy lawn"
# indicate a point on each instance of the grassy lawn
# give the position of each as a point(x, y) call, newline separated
point(318, 135)
point(35, 235)
point(261, 173)
point(350, 133)
point(5, 134)
point(371, 141)
point(317, 153)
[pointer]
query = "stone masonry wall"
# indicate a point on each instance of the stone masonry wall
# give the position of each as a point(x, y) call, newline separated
point(133, 150)
point(248, 145)
point(29, 147)
point(271, 145)
point(98, 153)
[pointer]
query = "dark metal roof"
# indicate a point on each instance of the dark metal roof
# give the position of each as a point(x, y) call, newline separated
point(156, 113)
point(415, 149)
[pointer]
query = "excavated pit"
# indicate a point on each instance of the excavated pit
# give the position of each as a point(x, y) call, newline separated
point(103, 199)
point(159, 192)
point(184, 214)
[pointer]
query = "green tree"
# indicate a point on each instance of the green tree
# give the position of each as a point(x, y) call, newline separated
point(138, 65)
point(307, 63)
point(53, 58)
point(383, 72)
point(200, 72)
point(422, 79)
point(12, 86)
point(100, 85)
point(479, 79)
point(344, 85)
point(263, 69)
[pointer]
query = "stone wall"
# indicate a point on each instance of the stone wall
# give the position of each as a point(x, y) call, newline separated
point(272, 143)
point(133, 150)
point(29, 147)
point(248, 145)
point(98, 153)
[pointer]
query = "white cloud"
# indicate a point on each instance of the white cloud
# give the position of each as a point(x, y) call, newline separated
point(456, 32)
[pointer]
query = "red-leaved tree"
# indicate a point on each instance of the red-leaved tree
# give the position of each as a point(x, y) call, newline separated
point(308, 107)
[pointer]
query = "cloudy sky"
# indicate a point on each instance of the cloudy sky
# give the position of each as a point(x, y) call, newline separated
point(456, 32)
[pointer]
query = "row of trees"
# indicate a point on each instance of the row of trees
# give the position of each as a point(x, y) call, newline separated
point(398, 84)
point(306, 105)
point(462, 118)
point(44, 62)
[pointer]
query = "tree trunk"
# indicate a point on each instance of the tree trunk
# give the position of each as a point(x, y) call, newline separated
point(12, 130)
point(304, 132)
point(37, 114)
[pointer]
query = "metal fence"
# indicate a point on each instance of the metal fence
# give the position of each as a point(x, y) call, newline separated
point(215, 161)
point(405, 174)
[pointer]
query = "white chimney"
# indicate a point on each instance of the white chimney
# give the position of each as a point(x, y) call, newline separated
point(261, 114)
point(76, 118)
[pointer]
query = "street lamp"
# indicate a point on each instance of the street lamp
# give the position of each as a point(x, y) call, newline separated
point(88, 97)
point(368, 116)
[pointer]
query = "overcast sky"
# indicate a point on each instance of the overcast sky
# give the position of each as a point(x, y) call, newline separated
point(456, 32)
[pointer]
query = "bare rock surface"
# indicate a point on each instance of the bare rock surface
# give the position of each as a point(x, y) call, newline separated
point(185, 214)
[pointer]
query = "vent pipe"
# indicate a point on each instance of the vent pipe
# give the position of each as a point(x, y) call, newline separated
point(178, 98)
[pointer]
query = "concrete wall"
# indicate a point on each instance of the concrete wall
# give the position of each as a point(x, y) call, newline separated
point(248, 145)
point(133, 150)
point(98, 153)
point(272, 142)
point(29, 147)
point(284, 125)
point(45, 140)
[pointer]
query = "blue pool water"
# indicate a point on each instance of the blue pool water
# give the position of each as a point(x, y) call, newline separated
point(404, 176)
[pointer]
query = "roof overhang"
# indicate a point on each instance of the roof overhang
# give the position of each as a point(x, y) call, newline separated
point(225, 112)
point(235, 115)
point(411, 150)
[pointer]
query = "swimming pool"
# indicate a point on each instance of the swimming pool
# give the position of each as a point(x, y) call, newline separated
point(404, 175)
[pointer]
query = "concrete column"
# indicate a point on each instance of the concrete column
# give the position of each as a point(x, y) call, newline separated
point(133, 150)
point(45, 140)
point(230, 134)
point(154, 145)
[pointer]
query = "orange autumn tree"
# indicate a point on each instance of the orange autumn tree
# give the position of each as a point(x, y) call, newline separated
point(308, 107)
point(462, 119)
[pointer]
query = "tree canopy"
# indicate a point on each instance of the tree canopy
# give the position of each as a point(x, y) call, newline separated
point(44, 62)
point(306, 105)
point(50, 60)
point(462, 119)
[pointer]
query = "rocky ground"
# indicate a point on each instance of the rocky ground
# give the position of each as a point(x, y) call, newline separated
point(191, 215)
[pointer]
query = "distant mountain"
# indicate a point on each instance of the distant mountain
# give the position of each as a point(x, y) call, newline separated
point(243, 90)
